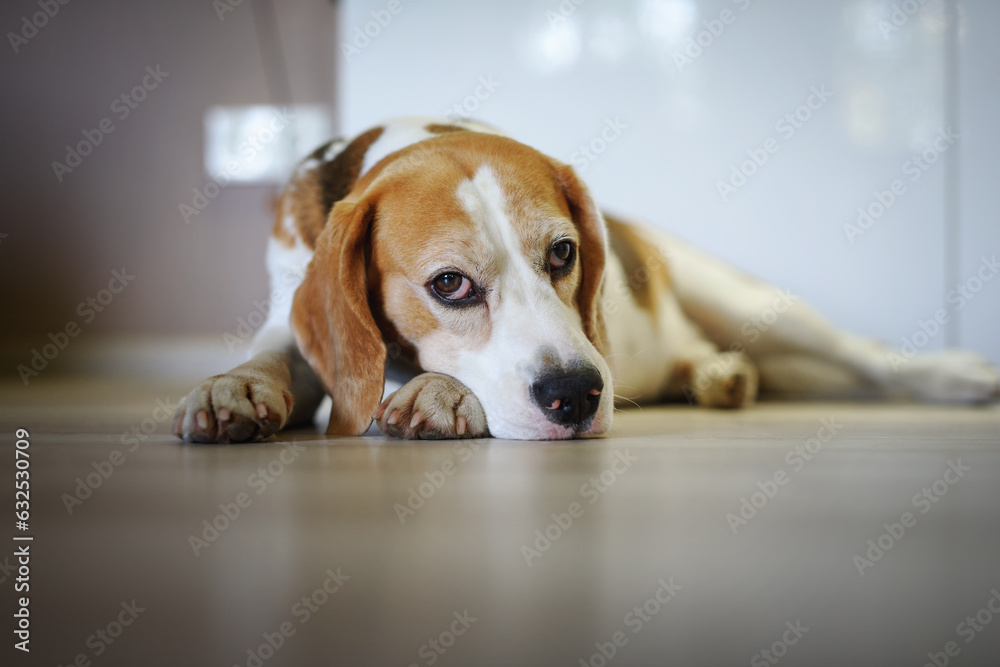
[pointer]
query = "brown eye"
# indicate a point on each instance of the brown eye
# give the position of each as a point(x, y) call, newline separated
point(452, 286)
point(561, 255)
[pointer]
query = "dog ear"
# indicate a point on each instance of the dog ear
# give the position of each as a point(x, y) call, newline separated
point(333, 323)
point(592, 252)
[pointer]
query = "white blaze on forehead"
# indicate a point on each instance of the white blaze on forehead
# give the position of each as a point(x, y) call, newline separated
point(527, 314)
point(485, 202)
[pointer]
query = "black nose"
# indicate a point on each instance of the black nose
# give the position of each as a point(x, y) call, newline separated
point(569, 399)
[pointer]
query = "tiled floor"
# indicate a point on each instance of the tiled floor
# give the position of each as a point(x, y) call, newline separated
point(370, 551)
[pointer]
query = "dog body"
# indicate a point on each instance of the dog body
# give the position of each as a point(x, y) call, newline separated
point(487, 268)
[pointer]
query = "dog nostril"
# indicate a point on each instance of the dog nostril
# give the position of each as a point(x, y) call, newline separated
point(569, 399)
point(562, 404)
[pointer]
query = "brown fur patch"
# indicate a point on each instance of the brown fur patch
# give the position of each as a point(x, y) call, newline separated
point(310, 197)
point(438, 128)
point(417, 222)
point(338, 176)
point(302, 201)
point(644, 265)
point(333, 324)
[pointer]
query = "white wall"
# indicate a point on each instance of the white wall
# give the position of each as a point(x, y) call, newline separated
point(690, 123)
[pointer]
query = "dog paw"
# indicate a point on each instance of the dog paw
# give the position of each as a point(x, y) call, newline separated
point(233, 407)
point(432, 406)
point(725, 380)
point(950, 376)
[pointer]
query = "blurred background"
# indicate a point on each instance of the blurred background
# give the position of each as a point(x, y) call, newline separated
point(845, 151)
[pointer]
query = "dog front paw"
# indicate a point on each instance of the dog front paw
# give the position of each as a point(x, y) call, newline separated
point(432, 406)
point(233, 407)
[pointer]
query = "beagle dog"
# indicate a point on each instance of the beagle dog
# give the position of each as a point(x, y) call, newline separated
point(521, 309)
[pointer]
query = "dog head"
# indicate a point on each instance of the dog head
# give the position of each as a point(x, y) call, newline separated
point(485, 258)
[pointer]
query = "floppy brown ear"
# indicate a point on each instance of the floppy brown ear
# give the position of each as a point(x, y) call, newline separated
point(333, 323)
point(593, 251)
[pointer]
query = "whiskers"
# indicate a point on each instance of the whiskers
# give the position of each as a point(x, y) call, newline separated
point(624, 398)
point(619, 397)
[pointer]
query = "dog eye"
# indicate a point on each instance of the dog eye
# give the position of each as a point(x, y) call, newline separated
point(561, 255)
point(452, 286)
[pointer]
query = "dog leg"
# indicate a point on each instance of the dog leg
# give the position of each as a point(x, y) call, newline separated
point(805, 355)
point(249, 403)
point(432, 406)
point(254, 400)
point(795, 347)
point(706, 375)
